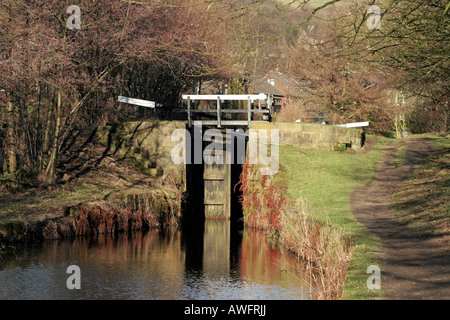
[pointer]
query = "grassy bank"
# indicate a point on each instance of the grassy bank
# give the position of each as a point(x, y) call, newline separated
point(306, 208)
point(121, 211)
point(96, 192)
point(326, 180)
point(423, 200)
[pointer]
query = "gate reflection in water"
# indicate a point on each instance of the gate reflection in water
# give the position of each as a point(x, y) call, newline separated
point(204, 262)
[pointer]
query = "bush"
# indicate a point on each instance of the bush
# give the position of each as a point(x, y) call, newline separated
point(24, 177)
point(429, 118)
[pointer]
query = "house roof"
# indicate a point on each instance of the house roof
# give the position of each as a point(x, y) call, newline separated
point(263, 86)
point(286, 80)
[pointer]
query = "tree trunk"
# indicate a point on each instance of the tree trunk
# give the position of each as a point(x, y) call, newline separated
point(50, 171)
point(46, 141)
point(37, 128)
point(10, 134)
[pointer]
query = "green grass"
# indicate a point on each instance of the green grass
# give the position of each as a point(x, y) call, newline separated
point(440, 143)
point(37, 203)
point(326, 180)
point(400, 157)
point(40, 202)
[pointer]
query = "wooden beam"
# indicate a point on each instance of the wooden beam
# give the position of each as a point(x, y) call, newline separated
point(353, 125)
point(189, 112)
point(218, 113)
point(229, 111)
point(249, 111)
point(223, 122)
point(226, 97)
point(138, 102)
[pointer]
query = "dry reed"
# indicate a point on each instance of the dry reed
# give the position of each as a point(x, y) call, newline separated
point(323, 251)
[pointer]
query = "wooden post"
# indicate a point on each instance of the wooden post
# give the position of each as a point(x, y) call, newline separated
point(249, 111)
point(219, 122)
point(189, 111)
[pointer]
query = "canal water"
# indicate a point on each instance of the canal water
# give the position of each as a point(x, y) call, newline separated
point(211, 262)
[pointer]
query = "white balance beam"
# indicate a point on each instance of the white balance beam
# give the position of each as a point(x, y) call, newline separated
point(138, 102)
point(353, 125)
point(226, 97)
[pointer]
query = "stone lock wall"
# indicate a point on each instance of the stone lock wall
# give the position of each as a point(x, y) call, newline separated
point(146, 145)
point(314, 136)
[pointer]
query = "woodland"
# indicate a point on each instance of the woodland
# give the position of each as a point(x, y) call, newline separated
point(347, 60)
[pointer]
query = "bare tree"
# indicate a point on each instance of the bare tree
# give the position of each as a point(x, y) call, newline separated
point(51, 73)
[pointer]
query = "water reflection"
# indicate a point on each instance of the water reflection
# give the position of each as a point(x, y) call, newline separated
point(204, 262)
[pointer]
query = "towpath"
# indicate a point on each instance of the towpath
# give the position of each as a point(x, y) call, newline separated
point(412, 267)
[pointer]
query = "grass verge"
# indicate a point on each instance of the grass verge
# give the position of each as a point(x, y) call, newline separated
point(322, 251)
point(326, 180)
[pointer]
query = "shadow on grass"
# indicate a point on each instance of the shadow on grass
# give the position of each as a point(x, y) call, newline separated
point(388, 134)
point(423, 200)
